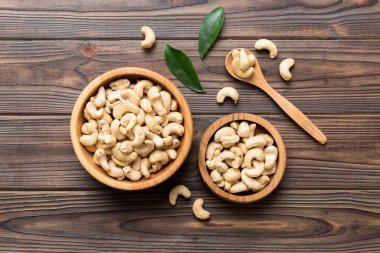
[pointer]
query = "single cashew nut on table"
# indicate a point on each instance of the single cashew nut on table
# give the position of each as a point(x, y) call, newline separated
point(150, 37)
point(198, 210)
point(176, 191)
point(268, 45)
point(285, 66)
point(227, 92)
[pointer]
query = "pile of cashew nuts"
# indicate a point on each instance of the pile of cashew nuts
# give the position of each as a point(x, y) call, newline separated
point(239, 160)
point(133, 129)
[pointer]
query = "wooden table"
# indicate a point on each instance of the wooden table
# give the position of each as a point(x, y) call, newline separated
point(329, 198)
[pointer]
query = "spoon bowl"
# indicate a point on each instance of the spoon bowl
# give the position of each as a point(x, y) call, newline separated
point(258, 80)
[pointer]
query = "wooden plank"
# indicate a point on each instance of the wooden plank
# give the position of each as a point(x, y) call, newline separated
point(327, 19)
point(109, 220)
point(36, 153)
point(329, 76)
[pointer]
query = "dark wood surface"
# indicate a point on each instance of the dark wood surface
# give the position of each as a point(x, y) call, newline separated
point(329, 199)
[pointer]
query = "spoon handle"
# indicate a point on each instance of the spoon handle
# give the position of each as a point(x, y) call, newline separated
point(294, 113)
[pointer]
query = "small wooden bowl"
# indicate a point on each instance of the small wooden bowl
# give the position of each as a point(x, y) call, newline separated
point(263, 126)
point(85, 157)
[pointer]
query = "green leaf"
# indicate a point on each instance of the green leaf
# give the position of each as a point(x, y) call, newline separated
point(181, 67)
point(209, 31)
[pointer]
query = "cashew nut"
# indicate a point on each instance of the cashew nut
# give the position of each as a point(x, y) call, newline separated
point(125, 107)
point(176, 191)
point(145, 166)
point(100, 158)
point(115, 171)
point(173, 105)
point(256, 171)
point(126, 147)
point(131, 96)
point(227, 92)
point(255, 153)
point(159, 156)
point(145, 105)
point(198, 210)
point(90, 133)
point(133, 175)
point(217, 178)
point(252, 184)
point(270, 154)
point(145, 149)
point(212, 146)
point(142, 87)
point(238, 187)
point(173, 128)
point(150, 37)
point(115, 130)
point(231, 175)
point(154, 97)
point(234, 125)
point(268, 45)
point(166, 100)
point(224, 131)
point(229, 140)
point(244, 130)
point(127, 122)
point(172, 154)
point(120, 84)
point(173, 117)
point(129, 158)
point(255, 141)
point(100, 99)
point(285, 66)
point(152, 124)
point(238, 157)
point(105, 137)
point(93, 112)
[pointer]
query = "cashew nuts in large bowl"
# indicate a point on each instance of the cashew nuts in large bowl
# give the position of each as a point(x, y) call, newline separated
point(131, 128)
point(242, 158)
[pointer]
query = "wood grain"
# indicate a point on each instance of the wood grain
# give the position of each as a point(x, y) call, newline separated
point(109, 220)
point(53, 74)
point(328, 19)
point(36, 153)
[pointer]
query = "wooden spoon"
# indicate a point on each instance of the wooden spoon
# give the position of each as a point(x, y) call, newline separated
point(293, 112)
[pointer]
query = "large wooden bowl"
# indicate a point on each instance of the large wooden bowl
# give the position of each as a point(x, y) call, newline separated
point(85, 157)
point(263, 126)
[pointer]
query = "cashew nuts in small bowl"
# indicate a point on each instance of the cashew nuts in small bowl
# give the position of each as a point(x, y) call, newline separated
point(131, 128)
point(242, 158)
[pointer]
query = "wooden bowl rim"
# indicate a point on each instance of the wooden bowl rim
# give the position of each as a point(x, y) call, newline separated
point(275, 179)
point(167, 171)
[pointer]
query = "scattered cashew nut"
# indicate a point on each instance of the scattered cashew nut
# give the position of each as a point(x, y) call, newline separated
point(227, 92)
point(198, 210)
point(176, 191)
point(150, 37)
point(268, 45)
point(285, 66)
